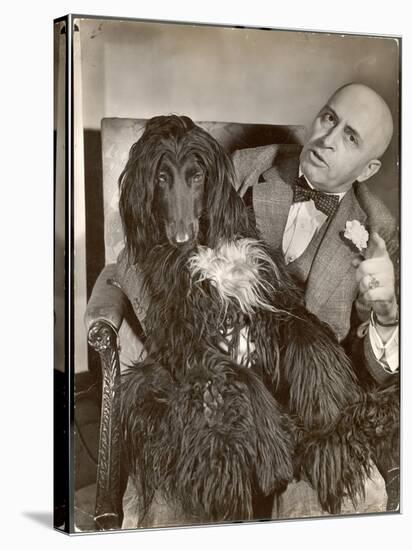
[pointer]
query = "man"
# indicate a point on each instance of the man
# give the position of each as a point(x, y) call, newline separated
point(302, 201)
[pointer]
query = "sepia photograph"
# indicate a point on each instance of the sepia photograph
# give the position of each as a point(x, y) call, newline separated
point(227, 274)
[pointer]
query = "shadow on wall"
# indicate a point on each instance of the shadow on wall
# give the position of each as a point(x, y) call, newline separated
point(94, 206)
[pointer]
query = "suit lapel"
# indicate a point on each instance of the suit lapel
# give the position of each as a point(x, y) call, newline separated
point(334, 256)
point(273, 197)
point(271, 203)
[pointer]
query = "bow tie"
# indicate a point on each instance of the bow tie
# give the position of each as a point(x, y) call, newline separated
point(328, 204)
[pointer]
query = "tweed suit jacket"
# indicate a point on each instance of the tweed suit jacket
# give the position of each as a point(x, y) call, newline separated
point(331, 288)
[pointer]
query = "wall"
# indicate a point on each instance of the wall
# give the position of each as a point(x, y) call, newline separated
point(217, 73)
point(141, 69)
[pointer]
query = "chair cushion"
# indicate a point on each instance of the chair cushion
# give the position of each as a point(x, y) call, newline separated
point(119, 134)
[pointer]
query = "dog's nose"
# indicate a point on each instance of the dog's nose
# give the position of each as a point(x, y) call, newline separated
point(182, 238)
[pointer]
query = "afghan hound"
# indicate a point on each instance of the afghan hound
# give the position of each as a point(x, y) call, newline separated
point(242, 389)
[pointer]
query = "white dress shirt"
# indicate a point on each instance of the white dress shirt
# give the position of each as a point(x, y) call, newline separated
point(304, 220)
point(386, 354)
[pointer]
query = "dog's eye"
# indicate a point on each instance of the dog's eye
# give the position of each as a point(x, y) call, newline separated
point(162, 177)
point(198, 177)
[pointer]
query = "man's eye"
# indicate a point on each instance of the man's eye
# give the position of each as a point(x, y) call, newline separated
point(352, 139)
point(329, 118)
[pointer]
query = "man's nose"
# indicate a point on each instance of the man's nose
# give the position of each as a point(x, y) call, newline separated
point(330, 137)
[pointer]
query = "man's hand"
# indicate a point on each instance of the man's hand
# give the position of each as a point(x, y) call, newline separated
point(376, 277)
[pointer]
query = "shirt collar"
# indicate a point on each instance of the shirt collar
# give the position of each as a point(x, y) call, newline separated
point(339, 195)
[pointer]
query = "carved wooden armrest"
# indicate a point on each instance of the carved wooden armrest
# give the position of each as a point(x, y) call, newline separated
point(104, 315)
point(108, 513)
point(107, 302)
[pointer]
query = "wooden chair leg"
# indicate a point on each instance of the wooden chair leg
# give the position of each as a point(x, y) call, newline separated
point(393, 489)
point(108, 512)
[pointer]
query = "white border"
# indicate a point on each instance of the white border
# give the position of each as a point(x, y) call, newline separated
point(26, 229)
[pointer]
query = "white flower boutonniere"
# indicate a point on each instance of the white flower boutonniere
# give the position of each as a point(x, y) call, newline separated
point(357, 234)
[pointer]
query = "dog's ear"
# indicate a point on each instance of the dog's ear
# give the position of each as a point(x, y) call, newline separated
point(227, 215)
point(136, 184)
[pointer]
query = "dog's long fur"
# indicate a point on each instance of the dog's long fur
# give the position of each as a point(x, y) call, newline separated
point(207, 440)
point(200, 428)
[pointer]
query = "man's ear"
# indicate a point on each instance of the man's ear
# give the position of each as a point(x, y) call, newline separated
point(370, 170)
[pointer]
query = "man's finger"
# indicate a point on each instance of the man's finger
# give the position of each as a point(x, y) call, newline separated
point(376, 246)
point(378, 294)
point(374, 281)
point(374, 265)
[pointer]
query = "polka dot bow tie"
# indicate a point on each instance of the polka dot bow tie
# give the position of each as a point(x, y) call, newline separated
point(328, 204)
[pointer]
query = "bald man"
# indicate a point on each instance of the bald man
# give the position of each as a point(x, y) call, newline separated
point(303, 200)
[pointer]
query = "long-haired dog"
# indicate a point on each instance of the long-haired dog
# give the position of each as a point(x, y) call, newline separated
point(242, 388)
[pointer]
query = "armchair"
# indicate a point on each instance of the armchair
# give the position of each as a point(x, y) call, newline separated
point(113, 331)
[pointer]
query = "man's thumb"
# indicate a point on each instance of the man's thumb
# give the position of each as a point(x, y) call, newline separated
point(376, 246)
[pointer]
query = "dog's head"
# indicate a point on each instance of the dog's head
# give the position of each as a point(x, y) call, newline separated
point(178, 187)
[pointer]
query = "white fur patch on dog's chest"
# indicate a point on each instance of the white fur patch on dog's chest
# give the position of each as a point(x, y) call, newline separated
point(235, 269)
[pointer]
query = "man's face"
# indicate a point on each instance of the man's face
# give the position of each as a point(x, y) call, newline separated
point(342, 140)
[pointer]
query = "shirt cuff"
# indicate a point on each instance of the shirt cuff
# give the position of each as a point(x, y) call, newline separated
point(386, 354)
